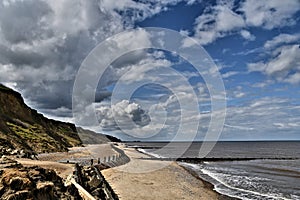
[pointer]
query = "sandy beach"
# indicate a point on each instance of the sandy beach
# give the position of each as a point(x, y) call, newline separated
point(138, 180)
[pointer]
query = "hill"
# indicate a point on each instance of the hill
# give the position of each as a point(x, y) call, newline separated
point(90, 137)
point(23, 128)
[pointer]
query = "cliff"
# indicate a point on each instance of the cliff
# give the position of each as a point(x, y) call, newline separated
point(23, 128)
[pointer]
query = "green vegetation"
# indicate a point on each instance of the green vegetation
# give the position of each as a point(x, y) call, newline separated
point(2, 87)
point(34, 136)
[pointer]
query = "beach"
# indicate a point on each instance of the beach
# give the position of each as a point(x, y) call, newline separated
point(63, 169)
point(137, 180)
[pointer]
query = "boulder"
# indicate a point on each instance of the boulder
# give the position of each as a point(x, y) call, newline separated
point(20, 195)
point(19, 183)
point(44, 190)
point(94, 183)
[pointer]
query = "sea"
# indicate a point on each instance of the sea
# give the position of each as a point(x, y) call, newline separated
point(272, 171)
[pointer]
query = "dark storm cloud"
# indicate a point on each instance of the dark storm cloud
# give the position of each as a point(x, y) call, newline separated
point(43, 42)
point(42, 45)
point(23, 21)
point(20, 57)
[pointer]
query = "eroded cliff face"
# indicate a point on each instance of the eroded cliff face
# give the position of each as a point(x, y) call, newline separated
point(22, 128)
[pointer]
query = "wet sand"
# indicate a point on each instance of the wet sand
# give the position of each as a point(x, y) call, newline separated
point(149, 179)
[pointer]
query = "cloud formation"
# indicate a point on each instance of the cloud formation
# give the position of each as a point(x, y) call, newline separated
point(229, 17)
point(125, 111)
point(244, 122)
point(42, 42)
point(270, 14)
point(281, 39)
point(284, 65)
point(217, 22)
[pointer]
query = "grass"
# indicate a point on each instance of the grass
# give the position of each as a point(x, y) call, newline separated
point(32, 133)
point(36, 137)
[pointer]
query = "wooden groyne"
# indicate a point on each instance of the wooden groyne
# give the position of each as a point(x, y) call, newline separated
point(199, 160)
point(107, 188)
point(88, 179)
point(91, 184)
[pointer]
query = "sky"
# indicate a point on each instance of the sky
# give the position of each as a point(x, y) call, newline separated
point(255, 46)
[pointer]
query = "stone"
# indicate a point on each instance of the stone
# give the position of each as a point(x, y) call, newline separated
point(20, 195)
point(98, 193)
point(18, 183)
point(14, 152)
point(44, 190)
point(94, 183)
point(2, 189)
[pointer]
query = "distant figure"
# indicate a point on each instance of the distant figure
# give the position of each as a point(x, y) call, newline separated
point(92, 162)
point(99, 161)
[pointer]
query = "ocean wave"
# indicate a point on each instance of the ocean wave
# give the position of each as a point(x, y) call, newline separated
point(223, 187)
point(149, 153)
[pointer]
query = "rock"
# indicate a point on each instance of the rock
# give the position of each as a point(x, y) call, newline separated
point(2, 189)
point(37, 183)
point(94, 183)
point(19, 183)
point(98, 193)
point(6, 162)
point(44, 190)
point(20, 195)
point(46, 186)
point(14, 152)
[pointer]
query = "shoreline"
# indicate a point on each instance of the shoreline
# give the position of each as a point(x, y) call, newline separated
point(168, 181)
point(207, 184)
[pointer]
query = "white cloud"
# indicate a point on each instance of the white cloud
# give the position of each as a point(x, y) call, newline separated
point(281, 39)
point(229, 74)
point(247, 35)
point(239, 94)
point(217, 22)
point(239, 127)
point(270, 13)
point(125, 112)
point(245, 121)
point(191, 2)
point(293, 78)
point(227, 18)
point(262, 84)
point(138, 10)
point(284, 66)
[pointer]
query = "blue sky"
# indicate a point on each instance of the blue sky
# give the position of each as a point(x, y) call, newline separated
point(255, 45)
